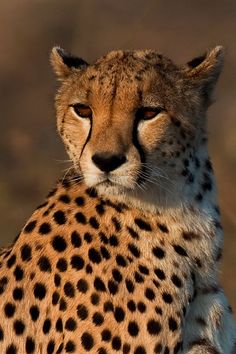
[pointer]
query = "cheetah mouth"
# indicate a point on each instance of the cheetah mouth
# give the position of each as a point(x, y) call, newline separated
point(110, 183)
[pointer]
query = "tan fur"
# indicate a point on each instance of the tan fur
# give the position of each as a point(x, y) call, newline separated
point(124, 261)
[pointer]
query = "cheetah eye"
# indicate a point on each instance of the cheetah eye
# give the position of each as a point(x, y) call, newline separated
point(82, 110)
point(148, 113)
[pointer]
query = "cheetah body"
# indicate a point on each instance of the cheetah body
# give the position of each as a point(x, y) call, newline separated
point(98, 272)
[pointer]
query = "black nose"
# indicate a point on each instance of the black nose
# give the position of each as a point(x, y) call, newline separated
point(107, 162)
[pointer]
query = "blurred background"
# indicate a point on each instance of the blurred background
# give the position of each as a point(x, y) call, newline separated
point(30, 149)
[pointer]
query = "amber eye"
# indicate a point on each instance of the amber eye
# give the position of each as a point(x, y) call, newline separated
point(82, 110)
point(146, 113)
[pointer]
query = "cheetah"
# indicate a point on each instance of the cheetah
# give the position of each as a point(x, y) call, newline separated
point(123, 255)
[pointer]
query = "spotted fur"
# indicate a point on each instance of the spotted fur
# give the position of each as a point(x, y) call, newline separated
point(123, 255)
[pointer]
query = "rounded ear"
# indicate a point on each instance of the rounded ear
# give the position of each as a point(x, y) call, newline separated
point(63, 62)
point(205, 70)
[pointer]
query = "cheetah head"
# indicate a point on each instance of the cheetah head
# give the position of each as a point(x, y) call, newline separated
point(132, 119)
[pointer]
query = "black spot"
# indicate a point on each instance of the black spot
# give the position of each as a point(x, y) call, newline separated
point(160, 274)
point(143, 269)
point(11, 349)
point(116, 343)
point(91, 192)
point(29, 345)
point(39, 291)
point(59, 217)
point(133, 233)
point(3, 284)
point(113, 241)
point(167, 298)
point(64, 199)
point(119, 207)
point(94, 223)
point(117, 275)
point(59, 325)
point(129, 285)
point(106, 335)
point(116, 223)
point(143, 225)
point(34, 313)
point(80, 218)
point(172, 324)
point(9, 310)
point(141, 307)
point(153, 327)
point(57, 280)
point(82, 312)
point(19, 327)
point(134, 250)
point(138, 277)
point(1, 334)
point(88, 269)
point(131, 305)
point(108, 306)
point(149, 293)
point(55, 298)
point(126, 348)
point(25, 253)
point(70, 324)
point(99, 284)
point(44, 228)
point(62, 265)
point(95, 298)
point(140, 350)
point(113, 287)
point(98, 319)
point(79, 201)
point(180, 250)
point(87, 341)
point(133, 328)
point(158, 252)
point(94, 255)
point(59, 244)
point(88, 237)
point(100, 209)
point(120, 260)
point(44, 264)
point(103, 238)
point(18, 294)
point(199, 197)
point(176, 281)
point(119, 314)
point(158, 310)
point(163, 227)
point(50, 347)
point(30, 226)
point(82, 286)
point(102, 351)
point(105, 253)
point(69, 289)
point(63, 305)
point(47, 326)
point(70, 347)
point(11, 261)
point(158, 348)
point(76, 239)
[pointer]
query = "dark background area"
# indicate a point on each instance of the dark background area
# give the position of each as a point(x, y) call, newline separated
point(29, 145)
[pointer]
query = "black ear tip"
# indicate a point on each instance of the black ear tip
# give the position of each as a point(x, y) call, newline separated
point(68, 59)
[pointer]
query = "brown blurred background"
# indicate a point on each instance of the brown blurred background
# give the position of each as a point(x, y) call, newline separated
point(29, 146)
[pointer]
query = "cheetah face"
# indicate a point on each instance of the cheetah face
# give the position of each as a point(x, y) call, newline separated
point(131, 120)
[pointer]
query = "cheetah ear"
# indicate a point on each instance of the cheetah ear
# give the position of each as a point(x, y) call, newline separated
point(204, 71)
point(64, 63)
